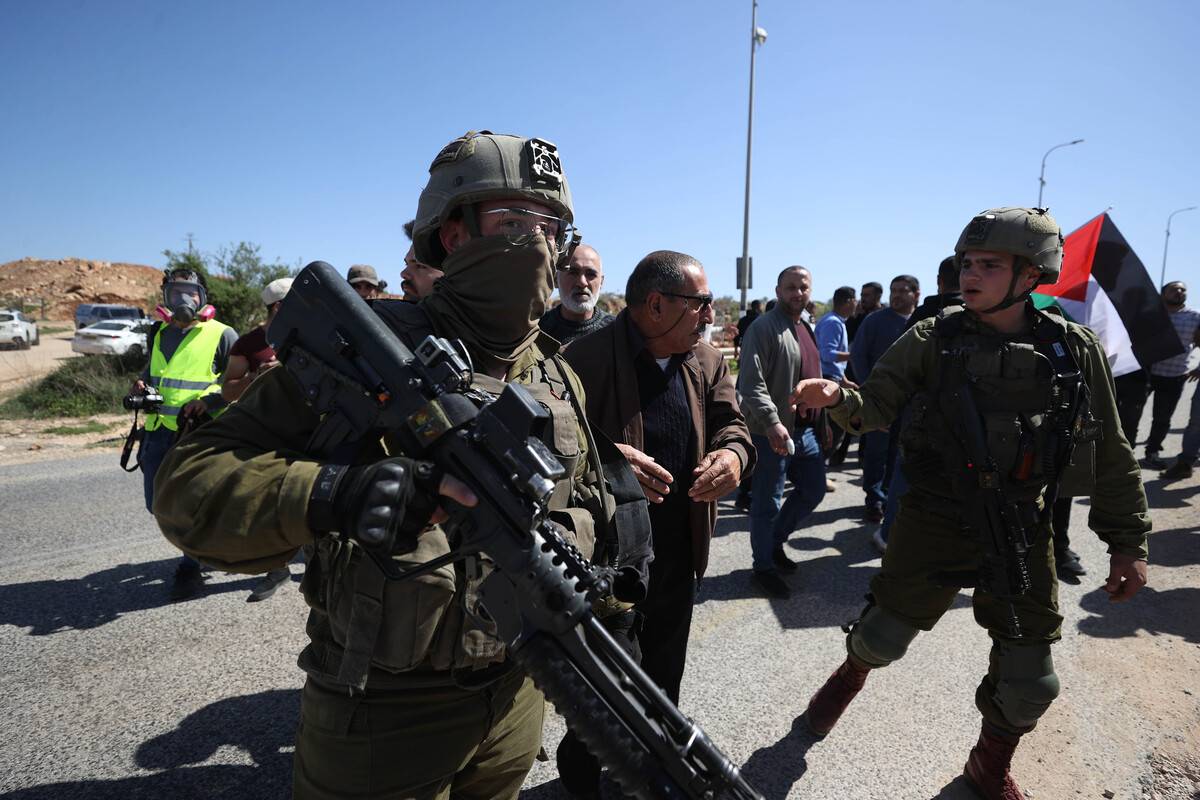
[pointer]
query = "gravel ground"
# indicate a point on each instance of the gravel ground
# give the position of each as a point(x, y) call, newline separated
point(107, 691)
point(19, 366)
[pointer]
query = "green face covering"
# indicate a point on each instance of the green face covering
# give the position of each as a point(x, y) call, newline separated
point(492, 294)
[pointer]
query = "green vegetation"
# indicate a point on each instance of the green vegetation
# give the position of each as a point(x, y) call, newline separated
point(235, 276)
point(47, 330)
point(91, 426)
point(80, 387)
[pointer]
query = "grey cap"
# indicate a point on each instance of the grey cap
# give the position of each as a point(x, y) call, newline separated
point(276, 290)
point(363, 273)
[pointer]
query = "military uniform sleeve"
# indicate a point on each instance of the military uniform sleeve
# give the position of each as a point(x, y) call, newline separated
point(1119, 514)
point(752, 388)
point(897, 375)
point(726, 425)
point(234, 494)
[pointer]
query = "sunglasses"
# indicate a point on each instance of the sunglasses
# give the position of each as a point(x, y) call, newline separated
point(703, 301)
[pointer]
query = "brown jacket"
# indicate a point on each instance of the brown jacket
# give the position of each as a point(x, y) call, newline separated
point(604, 362)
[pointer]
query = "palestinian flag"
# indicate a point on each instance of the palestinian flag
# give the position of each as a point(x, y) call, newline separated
point(1104, 286)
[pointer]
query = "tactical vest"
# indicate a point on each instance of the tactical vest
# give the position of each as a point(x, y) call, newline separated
point(188, 375)
point(1029, 394)
point(427, 623)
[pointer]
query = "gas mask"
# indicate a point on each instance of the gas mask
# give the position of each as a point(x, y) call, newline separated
point(185, 301)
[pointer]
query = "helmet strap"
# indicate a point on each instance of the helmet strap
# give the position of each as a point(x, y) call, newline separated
point(470, 218)
point(1010, 299)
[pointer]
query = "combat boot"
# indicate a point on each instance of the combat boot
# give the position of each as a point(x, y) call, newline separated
point(987, 766)
point(827, 705)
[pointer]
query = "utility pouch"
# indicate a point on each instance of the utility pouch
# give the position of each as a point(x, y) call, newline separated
point(582, 528)
point(388, 624)
point(1078, 478)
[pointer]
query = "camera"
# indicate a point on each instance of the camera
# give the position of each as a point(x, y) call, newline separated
point(148, 401)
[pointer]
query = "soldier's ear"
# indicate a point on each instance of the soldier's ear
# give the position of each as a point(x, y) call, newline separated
point(452, 233)
point(1029, 276)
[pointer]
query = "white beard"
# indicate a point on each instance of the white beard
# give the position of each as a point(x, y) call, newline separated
point(579, 307)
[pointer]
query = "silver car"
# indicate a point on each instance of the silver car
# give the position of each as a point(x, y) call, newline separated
point(117, 337)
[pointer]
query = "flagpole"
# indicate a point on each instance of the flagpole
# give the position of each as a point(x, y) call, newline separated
point(1042, 176)
point(1162, 277)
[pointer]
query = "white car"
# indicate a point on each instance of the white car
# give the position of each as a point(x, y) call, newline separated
point(116, 337)
point(17, 330)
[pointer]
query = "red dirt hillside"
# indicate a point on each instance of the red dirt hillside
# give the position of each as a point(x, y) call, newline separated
point(66, 282)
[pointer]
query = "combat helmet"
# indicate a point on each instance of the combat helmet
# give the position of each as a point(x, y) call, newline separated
point(480, 166)
point(1030, 234)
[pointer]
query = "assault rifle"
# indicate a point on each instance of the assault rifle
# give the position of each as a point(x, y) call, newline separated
point(1004, 571)
point(355, 370)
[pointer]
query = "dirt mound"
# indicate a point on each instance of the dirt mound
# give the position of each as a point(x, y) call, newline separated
point(64, 283)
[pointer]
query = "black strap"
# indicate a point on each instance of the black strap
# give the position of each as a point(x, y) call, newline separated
point(630, 530)
point(132, 439)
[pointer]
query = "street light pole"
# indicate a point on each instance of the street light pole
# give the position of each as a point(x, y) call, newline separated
point(757, 37)
point(1042, 176)
point(1162, 277)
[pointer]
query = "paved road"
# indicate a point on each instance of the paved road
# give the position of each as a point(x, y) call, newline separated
point(108, 692)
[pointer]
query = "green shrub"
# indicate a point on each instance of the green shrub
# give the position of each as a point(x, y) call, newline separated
point(90, 426)
point(79, 388)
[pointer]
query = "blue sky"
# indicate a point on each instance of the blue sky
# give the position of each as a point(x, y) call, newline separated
point(880, 127)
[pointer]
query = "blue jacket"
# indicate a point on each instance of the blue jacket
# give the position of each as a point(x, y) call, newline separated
point(832, 338)
point(873, 338)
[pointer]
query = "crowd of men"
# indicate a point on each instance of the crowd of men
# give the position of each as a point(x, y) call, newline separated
point(410, 694)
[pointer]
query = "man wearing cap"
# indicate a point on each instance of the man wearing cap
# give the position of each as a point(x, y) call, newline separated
point(252, 355)
point(999, 425)
point(409, 692)
point(365, 281)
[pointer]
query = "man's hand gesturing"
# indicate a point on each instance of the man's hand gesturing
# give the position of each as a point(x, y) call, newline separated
point(716, 475)
point(655, 480)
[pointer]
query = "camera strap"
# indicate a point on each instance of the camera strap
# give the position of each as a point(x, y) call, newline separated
point(134, 437)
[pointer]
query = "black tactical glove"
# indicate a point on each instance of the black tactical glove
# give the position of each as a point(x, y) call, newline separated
point(375, 503)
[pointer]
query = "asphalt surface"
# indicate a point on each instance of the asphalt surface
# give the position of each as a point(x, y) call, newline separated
point(109, 691)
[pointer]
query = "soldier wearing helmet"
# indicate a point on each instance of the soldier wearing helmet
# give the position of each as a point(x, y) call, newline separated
point(1011, 407)
point(409, 693)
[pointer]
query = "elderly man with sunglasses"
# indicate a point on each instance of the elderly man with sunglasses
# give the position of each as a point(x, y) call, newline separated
point(666, 399)
point(579, 285)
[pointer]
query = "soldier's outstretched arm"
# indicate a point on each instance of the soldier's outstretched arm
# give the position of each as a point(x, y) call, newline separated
point(897, 375)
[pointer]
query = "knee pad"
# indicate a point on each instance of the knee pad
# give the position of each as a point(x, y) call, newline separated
point(1021, 683)
point(880, 638)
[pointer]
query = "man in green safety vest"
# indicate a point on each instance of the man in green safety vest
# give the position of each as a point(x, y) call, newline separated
point(188, 357)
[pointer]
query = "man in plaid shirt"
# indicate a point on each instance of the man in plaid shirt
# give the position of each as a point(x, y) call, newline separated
point(1168, 376)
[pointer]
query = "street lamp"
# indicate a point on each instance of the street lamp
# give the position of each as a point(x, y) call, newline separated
point(1162, 277)
point(1042, 176)
point(757, 37)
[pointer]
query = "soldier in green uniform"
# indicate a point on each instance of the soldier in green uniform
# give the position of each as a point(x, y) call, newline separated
point(1010, 406)
point(409, 694)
